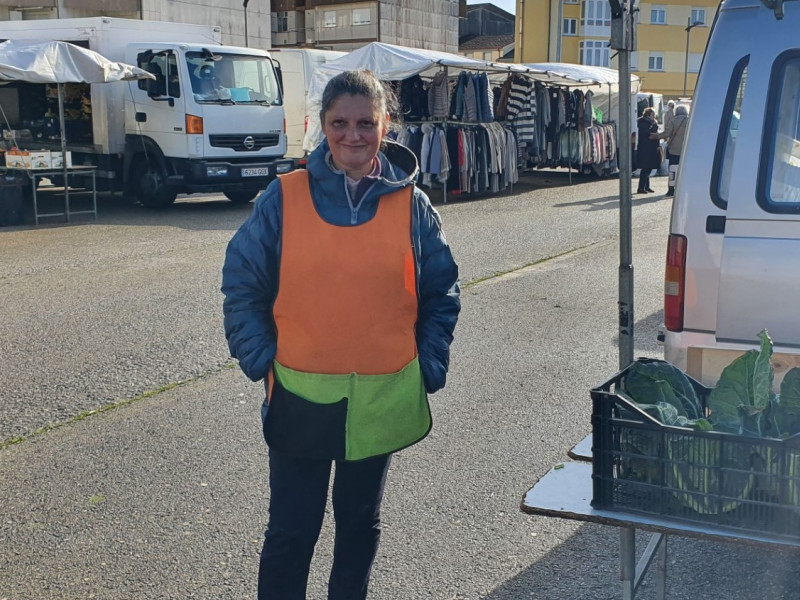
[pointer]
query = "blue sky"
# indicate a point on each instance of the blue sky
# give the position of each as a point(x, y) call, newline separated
point(506, 5)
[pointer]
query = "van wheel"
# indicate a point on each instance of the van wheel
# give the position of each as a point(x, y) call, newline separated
point(151, 186)
point(241, 196)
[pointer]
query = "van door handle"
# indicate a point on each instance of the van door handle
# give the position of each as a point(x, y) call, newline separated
point(715, 224)
point(141, 117)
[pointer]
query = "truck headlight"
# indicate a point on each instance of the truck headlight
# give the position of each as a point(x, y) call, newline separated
point(216, 171)
point(284, 168)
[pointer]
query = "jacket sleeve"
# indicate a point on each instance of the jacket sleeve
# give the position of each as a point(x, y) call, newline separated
point(249, 284)
point(438, 287)
point(668, 130)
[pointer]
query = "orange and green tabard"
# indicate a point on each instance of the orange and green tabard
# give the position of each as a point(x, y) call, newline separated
point(347, 381)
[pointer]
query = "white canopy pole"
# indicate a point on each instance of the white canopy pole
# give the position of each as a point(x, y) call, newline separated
point(61, 121)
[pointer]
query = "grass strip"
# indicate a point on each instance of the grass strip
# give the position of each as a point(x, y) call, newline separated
point(113, 406)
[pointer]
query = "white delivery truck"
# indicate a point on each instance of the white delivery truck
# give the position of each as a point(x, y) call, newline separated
point(211, 121)
point(296, 66)
point(733, 255)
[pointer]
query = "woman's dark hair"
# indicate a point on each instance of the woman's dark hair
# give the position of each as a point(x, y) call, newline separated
point(359, 83)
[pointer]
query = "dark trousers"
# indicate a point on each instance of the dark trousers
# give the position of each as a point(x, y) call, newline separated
point(298, 494)
point(644, 179)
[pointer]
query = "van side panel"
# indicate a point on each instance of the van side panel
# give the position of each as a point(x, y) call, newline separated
point(759, 285)
point(743, 248)
point(693, 205)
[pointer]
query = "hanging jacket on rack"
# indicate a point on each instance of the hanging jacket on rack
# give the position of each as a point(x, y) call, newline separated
point(439, 96)
point(414, 98)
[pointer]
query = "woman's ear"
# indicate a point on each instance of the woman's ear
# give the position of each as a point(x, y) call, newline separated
point(386, 121)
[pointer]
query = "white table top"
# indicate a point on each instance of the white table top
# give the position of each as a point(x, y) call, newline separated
point(566, 492)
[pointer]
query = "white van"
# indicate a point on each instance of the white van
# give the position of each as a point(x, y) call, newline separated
point(733, 259)
point(296, 67)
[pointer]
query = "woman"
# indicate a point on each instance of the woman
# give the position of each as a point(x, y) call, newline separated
point(647, 155)
point(342, 294)
point(674, 132)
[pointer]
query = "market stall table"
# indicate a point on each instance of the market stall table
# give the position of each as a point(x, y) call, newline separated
point(566, 492)
point(75, 171)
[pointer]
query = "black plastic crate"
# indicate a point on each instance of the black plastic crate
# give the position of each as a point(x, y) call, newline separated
point(738, 482)
point(11, 200)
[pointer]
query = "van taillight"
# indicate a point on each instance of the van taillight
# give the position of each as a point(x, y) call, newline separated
point(306, 124)
point(674, 282)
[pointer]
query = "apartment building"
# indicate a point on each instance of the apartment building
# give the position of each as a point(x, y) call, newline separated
point(671, 38)
point(240, 25)
point(347, 25)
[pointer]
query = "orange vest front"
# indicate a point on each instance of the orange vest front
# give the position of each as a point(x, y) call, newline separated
point(347, 380)
point(347, 298)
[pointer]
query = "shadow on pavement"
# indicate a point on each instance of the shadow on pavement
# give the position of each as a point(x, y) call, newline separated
point(695, 569)
point(195, 212)
point(529, 181)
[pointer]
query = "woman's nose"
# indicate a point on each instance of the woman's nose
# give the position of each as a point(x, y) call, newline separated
point(352, 132)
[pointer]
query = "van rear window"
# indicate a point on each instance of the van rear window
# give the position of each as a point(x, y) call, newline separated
point(779, 185)
point(728, 134)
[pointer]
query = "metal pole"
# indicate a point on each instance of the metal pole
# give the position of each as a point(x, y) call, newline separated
point(244, 5)
point(63, 149)
point(686, 58)
point(625, 203)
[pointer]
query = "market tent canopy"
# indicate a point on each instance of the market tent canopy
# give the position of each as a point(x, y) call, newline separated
point(580, 74)
point(602, 81)
point(61, 62)
point(392, 63)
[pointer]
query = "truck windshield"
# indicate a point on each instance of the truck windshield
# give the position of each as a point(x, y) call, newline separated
point(232, 78)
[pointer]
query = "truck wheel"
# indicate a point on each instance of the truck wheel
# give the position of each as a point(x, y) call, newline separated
point(152, 190)
point(241, 196)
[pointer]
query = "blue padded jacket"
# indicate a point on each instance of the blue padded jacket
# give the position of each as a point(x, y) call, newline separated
point(250, 273)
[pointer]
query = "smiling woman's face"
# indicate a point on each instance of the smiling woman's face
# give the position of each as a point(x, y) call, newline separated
point(355, 127)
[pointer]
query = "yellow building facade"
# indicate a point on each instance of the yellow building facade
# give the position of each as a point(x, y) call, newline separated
point(578, 31)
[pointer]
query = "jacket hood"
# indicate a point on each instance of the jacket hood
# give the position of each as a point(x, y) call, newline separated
point(681, 110)
point(399, 166)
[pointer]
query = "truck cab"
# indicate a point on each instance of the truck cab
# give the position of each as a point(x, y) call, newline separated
point(211, 120)
point(206, 122)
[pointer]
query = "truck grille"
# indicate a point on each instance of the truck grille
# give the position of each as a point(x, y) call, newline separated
point(240, 142)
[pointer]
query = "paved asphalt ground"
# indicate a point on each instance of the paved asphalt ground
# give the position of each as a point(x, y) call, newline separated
point(148, 477)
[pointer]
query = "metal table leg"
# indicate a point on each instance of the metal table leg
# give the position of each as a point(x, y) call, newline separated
point(32, 177)
point(627, 562)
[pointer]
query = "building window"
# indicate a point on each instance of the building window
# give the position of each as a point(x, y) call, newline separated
point(695, 60)
point(634, 61)
point(595, 53)
point(570, 1)
point(699, 16)
point(329, 18)
point(722, 171)
point(655, 62)
point(570, 27)
point(283, 22)
point(658, 14)
point(782, 159)
point(361, 16)
point(596, 13)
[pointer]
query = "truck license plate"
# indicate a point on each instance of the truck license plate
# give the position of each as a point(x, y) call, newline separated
point(255, 172)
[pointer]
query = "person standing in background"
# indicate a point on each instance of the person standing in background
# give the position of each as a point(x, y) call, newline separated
point(647, 155)
point(669, 113)
point(341, 293)
point(674, 132)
